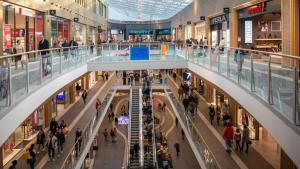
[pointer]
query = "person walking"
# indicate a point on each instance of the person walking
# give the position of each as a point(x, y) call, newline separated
point(13, 164)
point(112, 135)
point(44, 45)
point(53, 126)
point(65, 49)
point(176, 121)
point(111, 107)
point(164, 107)
point(105, 133)
point(19, 48)
point(32, 157)
point(177, 148)
point(40, 141)
point(212, 113)
point(77, 88)
point(98, 104)
point(185, 103)
point(182, 134)
point(228, 136)
point(51, 145)
point(78, 140)
point(60, 141)
point(84, 96)
point(218, 114)
point(245, 139)
point(237, 138)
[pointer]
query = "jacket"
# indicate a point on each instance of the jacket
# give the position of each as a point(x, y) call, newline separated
point(44, 44)
point(228, 133)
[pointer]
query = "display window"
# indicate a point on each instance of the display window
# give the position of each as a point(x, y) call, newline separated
point(23, 134)
point(244, 118)
point(60, 30)
point(220, 30)
point(80, 33)
point(188, 32)
point(259, 26)
point(179, 33)
point(200, 31)
point(92, 34)
point(21, 24)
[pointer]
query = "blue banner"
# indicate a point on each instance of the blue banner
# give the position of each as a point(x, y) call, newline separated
point(139, 53)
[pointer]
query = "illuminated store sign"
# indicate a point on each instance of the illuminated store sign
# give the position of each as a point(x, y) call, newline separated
point(256, 9)
point(218, 19)
point(248, 32)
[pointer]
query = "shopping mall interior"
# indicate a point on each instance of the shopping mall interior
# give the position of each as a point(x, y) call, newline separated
point(150, 84)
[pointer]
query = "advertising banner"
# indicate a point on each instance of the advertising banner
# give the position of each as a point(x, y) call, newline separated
point(163, 49)
point(7, 36)
point(139, 53)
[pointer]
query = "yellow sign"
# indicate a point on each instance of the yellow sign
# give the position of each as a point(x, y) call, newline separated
point(163, 49)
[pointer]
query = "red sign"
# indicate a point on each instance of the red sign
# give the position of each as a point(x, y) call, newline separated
point(256, 9)
point(7, 36)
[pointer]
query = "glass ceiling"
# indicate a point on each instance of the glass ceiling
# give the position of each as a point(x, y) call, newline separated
point(144, 10)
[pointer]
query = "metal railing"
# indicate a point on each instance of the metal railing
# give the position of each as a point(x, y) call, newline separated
point(274, 77)
point(208, 160)
point(129, 130)
point(153, 132)
point(141, 136)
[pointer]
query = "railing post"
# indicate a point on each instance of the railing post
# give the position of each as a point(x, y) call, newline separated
point(27, 73)
point(219, 62)
point(210, 59)
point(228, 63)
point(252, 75)
point(51, 63)
point(270, 92)
point(60, 60)
point(109, 50)
point(239, 65)
point(296, 103)
point(9, 85)
point(41, 68)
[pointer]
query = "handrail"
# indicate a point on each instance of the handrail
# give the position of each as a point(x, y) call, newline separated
point(141, 128)
point(129, 128)
point(153, 131)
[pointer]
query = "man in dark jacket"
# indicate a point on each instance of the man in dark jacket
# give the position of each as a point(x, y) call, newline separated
point(44, 45)
point(73, 47)
point(53, 126)
point(65, 46)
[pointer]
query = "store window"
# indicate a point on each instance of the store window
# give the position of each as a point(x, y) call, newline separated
point(21, 24)
point(60, 30)
point(260, 26)
point(80, 33)
point(200, 31)
point(92, 34)
point(188, 31)
point(219, 30)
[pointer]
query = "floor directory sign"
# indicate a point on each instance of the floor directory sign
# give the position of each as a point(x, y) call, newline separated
point(139, 53)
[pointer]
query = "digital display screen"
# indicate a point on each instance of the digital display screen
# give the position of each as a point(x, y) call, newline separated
point(139, 53)
point(60, 96)
point(123, 120)
point(187, 76)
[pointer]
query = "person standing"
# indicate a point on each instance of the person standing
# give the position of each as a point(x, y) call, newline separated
point(111, 107)
point(228, 136)
point(176, 121)
point(212, 113)
point(60, 141)
point(78, 140)
point(182, 134)
point(177, 148)
point(13, 164)
point(237, 138)
point(51, 145)
point(84, 96)
point(65, 49)
point(98, 104)
point(40, 141)
point(32, 156)
point(53, 126)
point(19, 48)
point(105, 133)
point(245, 139)
point(44, 45)
point(77, 88)
point(218, 114)
point(136, 149)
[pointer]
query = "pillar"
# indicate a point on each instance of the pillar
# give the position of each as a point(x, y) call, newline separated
point(1, 156)
point(47, 27)
point(286, 162)
point(234, 29)
point(72, 93)
point(208, 92)
point(86, 82)
point(294, 28)
point(233, 107)
point(48, 113)
point(256, 127)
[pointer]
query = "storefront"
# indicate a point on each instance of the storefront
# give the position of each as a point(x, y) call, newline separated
point(91, 34)
point(117, 34)
point(179, 33)
point(188, 31)
point(219, 29)
point(140, 35)
point(200, 31)
point(60, 30)
point(25, 133)
point(80, 33)
point(163, 34)
point(245, 118)
point(21, 24)
point(173, 34)
point(259, 26)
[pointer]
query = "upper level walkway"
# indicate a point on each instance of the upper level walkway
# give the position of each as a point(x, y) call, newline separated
point(267, 80)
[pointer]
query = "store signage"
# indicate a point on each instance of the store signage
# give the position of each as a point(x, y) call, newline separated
point(226, 10)
point(76, 19)
point(202, 18)
point(7, 36)
point(256, 9)
point(26, 12)
point(163, 32)
point(140, 32)
point(52, 12)
point(189, 22)
point(248, 32)
point(218, 19)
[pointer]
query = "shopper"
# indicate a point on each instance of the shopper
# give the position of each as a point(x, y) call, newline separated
point(32, 157)
point(51, 145)
point(136, 148)
point(111, 107)
point(78, 140)
point(19, 49)
point(212, 113)
point(41, 138)
point(185, 103)
point(180, 92)
point(112, 135)
point(44, 45)
point(177, 148)
point(77, 88)
point(84, 96)
point(164, 107)
point(218, 114)
point(106, 76)
point(176, 121)
point(237, 138)
point(13, 164)
point(60, 141)
point(105, 133)
point(98, 104)
point(182, 134)
point(73, 47)
point(65, 49)
point(228, 136)
point(245, 139)
point(53, 126)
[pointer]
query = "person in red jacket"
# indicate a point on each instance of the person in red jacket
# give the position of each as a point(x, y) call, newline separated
point(228, 136)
